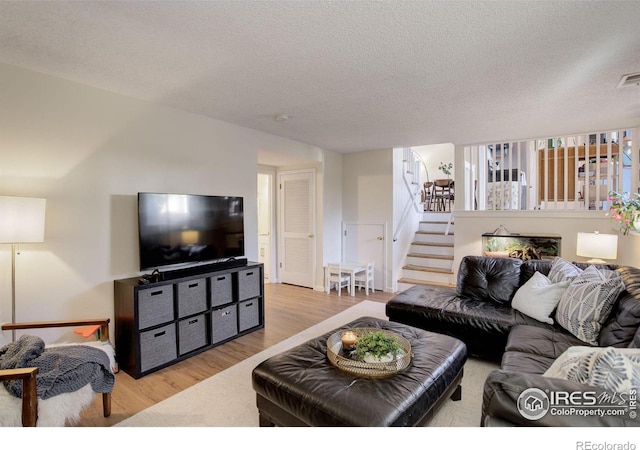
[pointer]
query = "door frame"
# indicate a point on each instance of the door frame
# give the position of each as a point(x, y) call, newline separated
point(273, 230)
point(383, 268)
point(280, 219)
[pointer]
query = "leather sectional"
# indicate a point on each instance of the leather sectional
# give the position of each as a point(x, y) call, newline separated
point(479, 312)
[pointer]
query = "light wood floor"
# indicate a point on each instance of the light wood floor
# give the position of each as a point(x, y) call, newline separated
point(288, 311)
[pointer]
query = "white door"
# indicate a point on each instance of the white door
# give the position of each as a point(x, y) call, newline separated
point(365, 242)
point(265, 241)
point(296, 252)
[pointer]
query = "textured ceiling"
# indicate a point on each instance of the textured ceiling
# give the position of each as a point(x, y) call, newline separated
point(351, 75)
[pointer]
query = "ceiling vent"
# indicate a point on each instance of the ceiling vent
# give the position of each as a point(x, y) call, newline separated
point(632, 79)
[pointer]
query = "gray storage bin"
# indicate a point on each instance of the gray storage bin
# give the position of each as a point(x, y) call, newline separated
point(155, 306)
point(248, 283)
point(248, 314)
point(192, 297)
point(224, 323)
point(192, 333)
point(221, 289)
point(157, 347)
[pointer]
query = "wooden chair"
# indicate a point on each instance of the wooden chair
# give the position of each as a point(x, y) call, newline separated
point(427, 195)
point(29, 375)
point(336, 278)
point(443, 193)
point(365, 279)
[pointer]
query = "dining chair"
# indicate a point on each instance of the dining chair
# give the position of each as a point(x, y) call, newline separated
point(427, 195)
point(443, 194)
point(365, 279)
point(336, 278)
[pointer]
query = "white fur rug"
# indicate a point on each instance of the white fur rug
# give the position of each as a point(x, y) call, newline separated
point(57, 411)
point(52, 412)
point(227, 399)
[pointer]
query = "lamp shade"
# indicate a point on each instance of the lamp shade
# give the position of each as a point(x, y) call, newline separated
point(21, 219)
point(596, 245)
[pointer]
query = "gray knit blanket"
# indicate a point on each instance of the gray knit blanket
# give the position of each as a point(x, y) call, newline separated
point(61, 369)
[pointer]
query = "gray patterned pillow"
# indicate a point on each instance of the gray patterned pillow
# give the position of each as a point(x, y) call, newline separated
point(610, 368)
point(562, 270)
point(586, 304)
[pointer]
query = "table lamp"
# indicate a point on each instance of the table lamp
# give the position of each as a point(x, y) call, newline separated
point(597, 246)
point(21, 221)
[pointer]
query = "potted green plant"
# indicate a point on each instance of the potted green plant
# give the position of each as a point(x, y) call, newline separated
point(377, 346)
point(625, 211)
point(445, 168)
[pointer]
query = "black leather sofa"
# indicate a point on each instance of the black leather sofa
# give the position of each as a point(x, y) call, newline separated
point(478, 311)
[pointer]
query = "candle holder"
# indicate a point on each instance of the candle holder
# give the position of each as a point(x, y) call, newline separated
point(349, 338)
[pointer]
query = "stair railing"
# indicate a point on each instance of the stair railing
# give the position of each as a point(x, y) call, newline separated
point(411, 164)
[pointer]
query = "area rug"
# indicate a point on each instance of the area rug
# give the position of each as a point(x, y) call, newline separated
point(227, 399)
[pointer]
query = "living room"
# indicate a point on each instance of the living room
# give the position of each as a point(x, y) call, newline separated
point(88, 146)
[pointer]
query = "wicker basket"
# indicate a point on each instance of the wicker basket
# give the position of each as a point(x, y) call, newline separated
point(368, 369)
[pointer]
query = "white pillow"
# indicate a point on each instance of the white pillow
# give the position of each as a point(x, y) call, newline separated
point(538, 297)
point(614, 369)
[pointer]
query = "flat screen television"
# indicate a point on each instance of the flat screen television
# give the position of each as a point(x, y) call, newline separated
point(179, 230)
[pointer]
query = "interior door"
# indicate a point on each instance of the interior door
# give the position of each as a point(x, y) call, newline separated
point(365, 242)
point(297, 228)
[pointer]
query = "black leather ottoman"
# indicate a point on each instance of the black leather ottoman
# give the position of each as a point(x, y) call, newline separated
point(300, 387)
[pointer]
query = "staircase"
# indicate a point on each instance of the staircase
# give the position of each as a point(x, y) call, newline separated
point(430, 259)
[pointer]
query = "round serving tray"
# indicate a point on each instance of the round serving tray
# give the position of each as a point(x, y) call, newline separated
point(342, 361)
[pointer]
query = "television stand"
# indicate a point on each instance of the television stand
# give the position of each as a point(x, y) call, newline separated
point(162, 322)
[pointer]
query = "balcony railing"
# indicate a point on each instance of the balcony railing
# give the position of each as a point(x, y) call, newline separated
point(566, 172)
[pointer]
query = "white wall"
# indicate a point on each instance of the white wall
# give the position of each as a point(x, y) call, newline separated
point(406, 217)
point(332, 208)
point(89, 152)
point(367, 194)
point(470, 225)
point(434, 155)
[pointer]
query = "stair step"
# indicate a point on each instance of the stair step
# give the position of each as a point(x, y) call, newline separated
point(424, 283)
point(436, 228)
point(428, 269)
point(431, 250)
point(433, 244)
point(440, 233)
point(422, 260)
point(439, 222)
point(430, 256)
point(436, 216)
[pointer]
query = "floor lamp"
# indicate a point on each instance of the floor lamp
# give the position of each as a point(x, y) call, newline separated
point(21, 221)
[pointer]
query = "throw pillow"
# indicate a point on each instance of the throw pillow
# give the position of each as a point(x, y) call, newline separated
point(562, 270)
point(624, 320)
point(586, 304)
point(610, 368)
point(538, 297)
